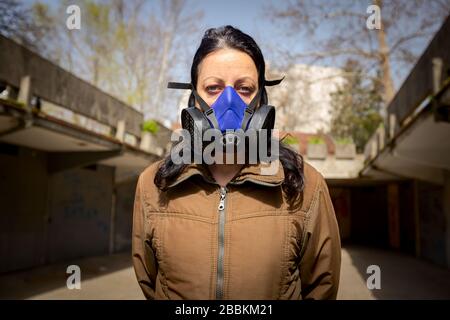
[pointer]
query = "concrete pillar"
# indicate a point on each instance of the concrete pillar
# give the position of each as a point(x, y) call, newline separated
point(146, 141)
point(381, 137)
point(446, 200)
point(437, 74)
point(417, 220)
point(112, 229)
point(24, 91)
point(120, 132)
point(392, 124)
point(393, 215)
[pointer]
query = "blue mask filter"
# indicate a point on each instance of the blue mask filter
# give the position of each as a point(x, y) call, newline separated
point(229, 109)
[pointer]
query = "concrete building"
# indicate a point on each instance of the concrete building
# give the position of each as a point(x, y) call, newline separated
point(397, 194)
point(69, 159)
point(401, 197)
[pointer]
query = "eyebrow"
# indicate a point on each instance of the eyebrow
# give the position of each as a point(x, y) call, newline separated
point(238, 80)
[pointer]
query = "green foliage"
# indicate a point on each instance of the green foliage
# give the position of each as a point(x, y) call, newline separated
point(150, 126)
point(289, 139)
point(343, 140)
point(356, 107)
point(316, 140)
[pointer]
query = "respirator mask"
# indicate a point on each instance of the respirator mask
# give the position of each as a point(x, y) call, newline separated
point(231, 120)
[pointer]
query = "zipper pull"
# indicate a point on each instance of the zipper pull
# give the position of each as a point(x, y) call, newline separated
point(223, 193)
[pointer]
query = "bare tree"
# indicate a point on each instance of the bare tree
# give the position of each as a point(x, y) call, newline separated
point(337, 32)
point(175, 23)
point(128, 48)
point(28, 25)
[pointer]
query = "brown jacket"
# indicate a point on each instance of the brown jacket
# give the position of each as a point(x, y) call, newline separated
point(200, 241)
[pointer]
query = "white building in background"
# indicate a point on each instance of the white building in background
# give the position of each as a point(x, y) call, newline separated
point(303, 99)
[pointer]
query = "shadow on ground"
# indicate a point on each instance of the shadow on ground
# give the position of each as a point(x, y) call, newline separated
point(402, 276)
point(42, 281)
point(112, 277)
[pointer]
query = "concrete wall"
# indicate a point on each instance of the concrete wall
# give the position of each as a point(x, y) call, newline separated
point(341, 198)
point(80, 202)
point(56, 85)
point(447, 215)
point(125, 193)
point(407, 219)
point(432, 222)
point(48, 218)
point(23, 198)
point(414, 219)
point(362, 213)
point(369, 224)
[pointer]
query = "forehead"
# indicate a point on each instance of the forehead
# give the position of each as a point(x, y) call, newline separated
point(227, 64)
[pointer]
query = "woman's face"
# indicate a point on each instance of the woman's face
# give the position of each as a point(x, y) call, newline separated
point(227, 67)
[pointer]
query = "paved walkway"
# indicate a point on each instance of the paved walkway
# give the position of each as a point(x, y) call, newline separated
point(112, 277)
point(402, 276)
point(105, 277)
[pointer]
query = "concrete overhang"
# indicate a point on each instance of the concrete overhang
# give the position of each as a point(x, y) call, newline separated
point(421, 150)
point(64, 141)
point(128, 164)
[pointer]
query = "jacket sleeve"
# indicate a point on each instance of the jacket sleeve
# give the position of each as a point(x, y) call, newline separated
point(144, 261)
point(321, 259)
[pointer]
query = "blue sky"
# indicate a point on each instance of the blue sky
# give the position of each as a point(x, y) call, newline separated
point(243, 14)
point(249, 16)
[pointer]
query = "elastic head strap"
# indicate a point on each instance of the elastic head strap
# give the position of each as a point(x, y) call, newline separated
point(252, 105)
point(189, 86)
point(208, 112)
point(251, 109)
point(271, 83)
point(179, 85)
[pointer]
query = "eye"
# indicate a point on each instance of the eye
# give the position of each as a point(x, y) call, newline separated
point(245, 90)
point(213, 89)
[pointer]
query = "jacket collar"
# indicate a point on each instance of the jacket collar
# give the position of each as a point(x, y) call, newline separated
point(262, 173)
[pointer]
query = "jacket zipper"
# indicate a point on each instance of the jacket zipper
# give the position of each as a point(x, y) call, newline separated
point(221, 242)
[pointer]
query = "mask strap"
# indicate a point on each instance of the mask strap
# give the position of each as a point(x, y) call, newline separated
point(250, 109)
point(270, 83)
point(207, 110)
point(252, 105)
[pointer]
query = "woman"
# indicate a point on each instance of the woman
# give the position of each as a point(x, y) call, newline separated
point(227, 231)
